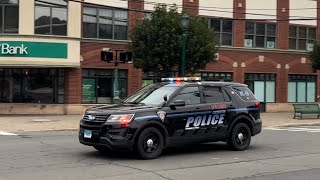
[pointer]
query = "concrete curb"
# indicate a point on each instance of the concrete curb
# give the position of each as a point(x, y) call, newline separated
point(294, 125)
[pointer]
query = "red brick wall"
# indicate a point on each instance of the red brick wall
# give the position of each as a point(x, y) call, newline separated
point(219, 66)
point(135, 14)
point(261, 67)
point(282, 86)
point(239, 25)
point(301, 69)
point(73, 83)
point(191, 6)
point(283, 26)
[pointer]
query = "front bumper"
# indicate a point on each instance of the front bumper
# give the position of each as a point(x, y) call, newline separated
point(257, 127)
point(100, 138)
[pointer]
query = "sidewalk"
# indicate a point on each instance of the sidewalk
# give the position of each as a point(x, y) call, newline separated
point(71, 122)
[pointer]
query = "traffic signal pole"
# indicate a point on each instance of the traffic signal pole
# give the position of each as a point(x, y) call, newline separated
point(116, 98)
point(107, 56)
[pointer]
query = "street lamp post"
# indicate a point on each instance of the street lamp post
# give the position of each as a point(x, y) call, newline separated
point(185, 20)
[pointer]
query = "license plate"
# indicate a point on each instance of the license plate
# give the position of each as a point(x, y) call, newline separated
point(87, 134)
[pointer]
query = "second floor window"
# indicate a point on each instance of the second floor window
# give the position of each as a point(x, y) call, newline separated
point(9, 16)
point(51, 17)
point(223, 29)
point(260, 35)
point(105, 23)
point(302, 38)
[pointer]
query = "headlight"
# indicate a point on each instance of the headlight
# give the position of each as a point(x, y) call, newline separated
point(121, 118)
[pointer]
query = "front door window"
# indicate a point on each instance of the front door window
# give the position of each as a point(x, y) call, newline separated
point(190, 95)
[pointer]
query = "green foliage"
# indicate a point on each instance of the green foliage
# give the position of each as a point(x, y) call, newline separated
point(315, 56)
point(156, 43)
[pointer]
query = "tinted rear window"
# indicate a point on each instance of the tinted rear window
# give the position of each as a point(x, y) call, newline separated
point(215, 95)
point(244, 93)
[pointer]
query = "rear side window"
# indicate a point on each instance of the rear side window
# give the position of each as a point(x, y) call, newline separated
point(244, 92)
point(215, 95)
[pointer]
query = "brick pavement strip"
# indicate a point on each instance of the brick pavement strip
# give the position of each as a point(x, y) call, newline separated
point(28, 123)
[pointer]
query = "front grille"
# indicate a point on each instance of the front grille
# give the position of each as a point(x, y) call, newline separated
point(97, 117)
point(96, 123)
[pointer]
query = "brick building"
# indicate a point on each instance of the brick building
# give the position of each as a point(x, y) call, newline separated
point(56, 67)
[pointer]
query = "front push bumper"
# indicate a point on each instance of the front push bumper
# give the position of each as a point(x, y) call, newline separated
point(100, 139)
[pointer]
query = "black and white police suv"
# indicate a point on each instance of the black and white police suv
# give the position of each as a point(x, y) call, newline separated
point(174, 112)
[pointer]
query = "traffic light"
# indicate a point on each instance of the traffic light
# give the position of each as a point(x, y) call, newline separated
point(106, 56)
point(125, 57)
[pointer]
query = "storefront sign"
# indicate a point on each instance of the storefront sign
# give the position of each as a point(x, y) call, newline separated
point(88, 90)
point(33, 49)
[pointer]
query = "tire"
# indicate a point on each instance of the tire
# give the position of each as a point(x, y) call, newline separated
point(150, 143)
point(240, 137)
point(103, 149)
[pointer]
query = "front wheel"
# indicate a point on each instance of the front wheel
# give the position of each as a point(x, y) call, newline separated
point(240, 137)
point(150, 143)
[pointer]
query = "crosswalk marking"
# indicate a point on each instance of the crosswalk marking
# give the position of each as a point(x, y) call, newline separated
point(296, 129)
point(2, 133)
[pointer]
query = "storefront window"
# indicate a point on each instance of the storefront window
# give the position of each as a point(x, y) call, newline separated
point(263, 86)
point(51, 17)
point(97, 86)
point(31, 86)
point(9, 16)
point(301, 88)
point(216, 76)
point(105, 23)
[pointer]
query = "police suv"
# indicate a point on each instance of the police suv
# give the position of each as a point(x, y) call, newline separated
point(174, 112)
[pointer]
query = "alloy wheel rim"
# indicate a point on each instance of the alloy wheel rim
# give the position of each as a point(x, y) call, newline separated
point(241, 137)
point(151, 143)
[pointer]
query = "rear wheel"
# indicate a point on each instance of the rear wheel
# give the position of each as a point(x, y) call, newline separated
point(150, 143)
point(103, 149)
point(240, 137)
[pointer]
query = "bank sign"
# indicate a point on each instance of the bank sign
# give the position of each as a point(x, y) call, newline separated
point(33, 49)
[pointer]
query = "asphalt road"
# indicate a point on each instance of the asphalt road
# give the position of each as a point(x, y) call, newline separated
point(288, 153)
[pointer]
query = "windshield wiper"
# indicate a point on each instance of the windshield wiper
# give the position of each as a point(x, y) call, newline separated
point(134, 102)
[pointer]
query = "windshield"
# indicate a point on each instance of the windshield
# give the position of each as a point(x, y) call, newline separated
point(152, 94)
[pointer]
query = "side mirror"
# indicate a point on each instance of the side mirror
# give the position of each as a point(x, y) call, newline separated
point(165, 98)
point(178, 103)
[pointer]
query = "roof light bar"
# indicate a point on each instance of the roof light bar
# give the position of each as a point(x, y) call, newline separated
point(181, 79)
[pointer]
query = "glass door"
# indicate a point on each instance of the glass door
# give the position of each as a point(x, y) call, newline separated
point(104, 90)
point(89, 90)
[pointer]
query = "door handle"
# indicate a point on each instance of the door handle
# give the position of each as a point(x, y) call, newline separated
point(197, 108)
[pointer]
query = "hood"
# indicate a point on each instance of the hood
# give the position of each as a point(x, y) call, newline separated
point(120, 108)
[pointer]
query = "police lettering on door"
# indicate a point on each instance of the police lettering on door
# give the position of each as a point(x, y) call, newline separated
point(195, 122)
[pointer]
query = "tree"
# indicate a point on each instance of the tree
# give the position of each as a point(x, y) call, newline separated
point(315, 56)
point(156, 43)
